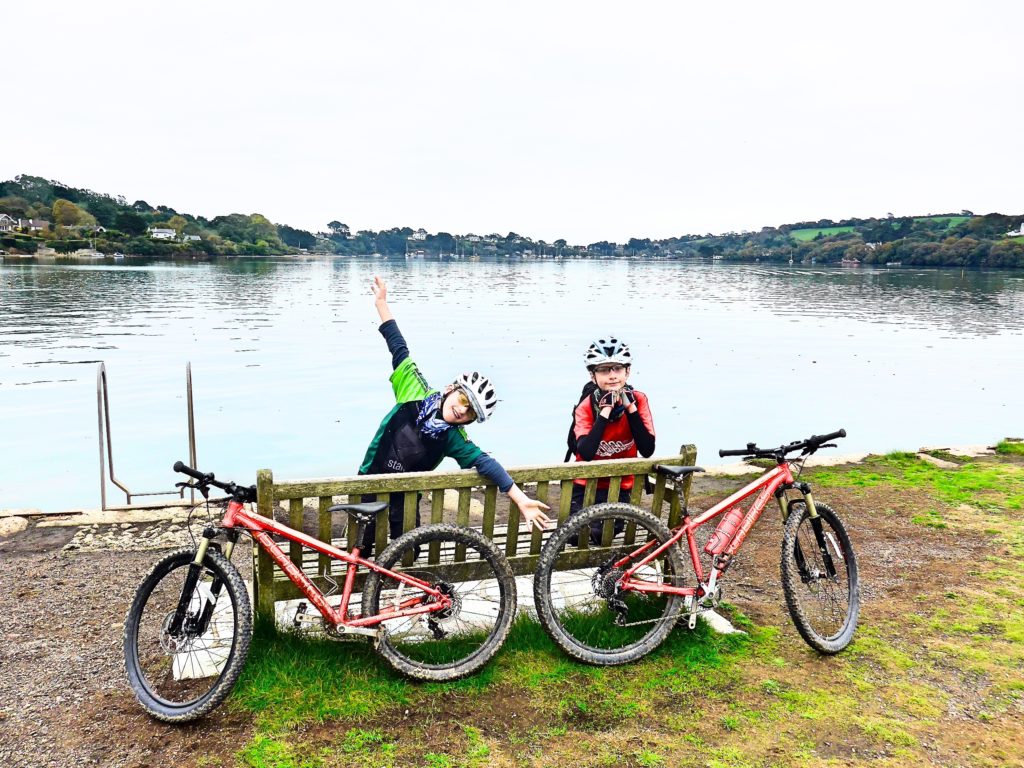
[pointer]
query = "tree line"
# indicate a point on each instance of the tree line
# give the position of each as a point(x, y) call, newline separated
point(80, 217)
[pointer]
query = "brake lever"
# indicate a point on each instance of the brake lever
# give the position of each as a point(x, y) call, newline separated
point(829, 445)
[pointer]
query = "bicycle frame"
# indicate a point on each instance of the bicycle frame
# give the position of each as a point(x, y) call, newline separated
point(767, 485)
point(261, 528)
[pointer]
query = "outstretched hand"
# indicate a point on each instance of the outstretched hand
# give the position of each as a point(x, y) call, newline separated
point(379, 288)
point(533, 513)
point(380, 294)
point(533, 510)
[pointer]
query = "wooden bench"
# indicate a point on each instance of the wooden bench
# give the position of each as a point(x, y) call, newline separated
point(520, 545)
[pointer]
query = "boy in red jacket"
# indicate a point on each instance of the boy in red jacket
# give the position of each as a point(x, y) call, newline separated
point(613, 423)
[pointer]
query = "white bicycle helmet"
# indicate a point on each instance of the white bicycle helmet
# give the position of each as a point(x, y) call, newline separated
point(481, 394)
point(608, 350)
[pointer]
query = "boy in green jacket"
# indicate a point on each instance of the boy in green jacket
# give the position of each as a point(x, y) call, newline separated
point(426, 425)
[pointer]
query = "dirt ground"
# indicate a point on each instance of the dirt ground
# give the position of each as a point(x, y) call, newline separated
point(64, 699)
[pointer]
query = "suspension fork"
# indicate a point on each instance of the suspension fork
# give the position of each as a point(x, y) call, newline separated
point(785, 507)
point(195, 569)
point(818, 529)
point(217, 585)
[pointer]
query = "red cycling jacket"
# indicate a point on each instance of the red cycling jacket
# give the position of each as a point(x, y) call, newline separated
point(617, 439)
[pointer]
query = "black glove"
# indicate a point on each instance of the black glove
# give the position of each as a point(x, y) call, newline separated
point(608, 400)
point(628, 398)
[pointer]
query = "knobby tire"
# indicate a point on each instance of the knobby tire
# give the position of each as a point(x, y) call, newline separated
point(484, 606)
point(572, 605)
point(168, 673)
point(822, 589)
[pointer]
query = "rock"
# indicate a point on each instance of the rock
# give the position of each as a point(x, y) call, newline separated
point(940, 463)
point(11, 525)
point(451, 503)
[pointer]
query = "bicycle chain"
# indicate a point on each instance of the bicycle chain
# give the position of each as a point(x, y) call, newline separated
point(660, 618)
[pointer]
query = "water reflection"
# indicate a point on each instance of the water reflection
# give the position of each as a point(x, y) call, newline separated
point(291, 373)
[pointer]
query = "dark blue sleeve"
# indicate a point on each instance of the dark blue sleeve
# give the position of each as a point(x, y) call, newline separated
point(493, 471)
point(396, 342)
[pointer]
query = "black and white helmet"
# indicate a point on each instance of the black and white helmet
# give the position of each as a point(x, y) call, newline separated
point(607, 350)
point(481, 394)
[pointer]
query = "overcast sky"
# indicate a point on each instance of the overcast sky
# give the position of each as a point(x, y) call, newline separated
point(587, 121)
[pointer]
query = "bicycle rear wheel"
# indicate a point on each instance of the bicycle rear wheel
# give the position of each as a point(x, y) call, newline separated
point(449, 644)
point(583, 611)
point(180, 670)
point(819, 578)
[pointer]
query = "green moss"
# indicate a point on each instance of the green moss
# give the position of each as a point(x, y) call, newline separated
point(649, 759)
point(886, 730)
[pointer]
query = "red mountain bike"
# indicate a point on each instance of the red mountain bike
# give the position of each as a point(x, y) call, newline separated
point(441, 614)
point(630, 595)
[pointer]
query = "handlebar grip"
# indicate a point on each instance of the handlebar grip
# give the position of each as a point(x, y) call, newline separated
point(832, 435)
point(187, 470)
point(740, 452)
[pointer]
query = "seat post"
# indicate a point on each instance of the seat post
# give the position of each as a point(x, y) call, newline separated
point(360, 531)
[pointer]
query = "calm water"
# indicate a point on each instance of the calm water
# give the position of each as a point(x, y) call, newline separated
point(289, 371)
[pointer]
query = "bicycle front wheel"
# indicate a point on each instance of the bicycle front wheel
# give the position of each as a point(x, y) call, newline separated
point(181, 664)
point(583, 610)
point(819, 578)
point(457, 641)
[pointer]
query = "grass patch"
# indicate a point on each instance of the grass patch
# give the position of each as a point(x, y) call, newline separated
point(932, 518)
point(1010, 447)
point(985, 485)
point(951, 221)
point(290, 679)
point(811, 233)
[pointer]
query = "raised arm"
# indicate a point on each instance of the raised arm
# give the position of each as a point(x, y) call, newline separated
point(388, 326)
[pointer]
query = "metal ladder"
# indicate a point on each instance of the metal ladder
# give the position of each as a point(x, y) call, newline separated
point(107, 449)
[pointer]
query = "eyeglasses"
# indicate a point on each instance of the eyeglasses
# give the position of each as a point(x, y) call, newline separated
point(609, 369)
point(463, 400)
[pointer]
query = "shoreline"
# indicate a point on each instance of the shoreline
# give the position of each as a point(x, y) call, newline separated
point(171, 510)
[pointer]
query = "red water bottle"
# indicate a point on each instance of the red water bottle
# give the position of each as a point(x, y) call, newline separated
point(727, 527)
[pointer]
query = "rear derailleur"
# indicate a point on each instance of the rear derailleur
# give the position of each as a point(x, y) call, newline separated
point(606, 583)
point(452, 610)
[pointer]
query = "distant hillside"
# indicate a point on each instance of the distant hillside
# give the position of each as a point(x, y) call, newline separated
point(54, 215)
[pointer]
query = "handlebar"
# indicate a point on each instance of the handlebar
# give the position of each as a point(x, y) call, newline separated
point(808, 446)
point(205, 479)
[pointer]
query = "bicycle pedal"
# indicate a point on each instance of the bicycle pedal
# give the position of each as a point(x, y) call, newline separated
point(302, 616)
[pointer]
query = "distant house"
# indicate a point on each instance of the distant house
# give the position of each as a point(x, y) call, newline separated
point(1016, 232)
point(33, 225)
point(7, 223)
point(419, 234)
point(471, 238)
point(191, 238)
point(162, 234)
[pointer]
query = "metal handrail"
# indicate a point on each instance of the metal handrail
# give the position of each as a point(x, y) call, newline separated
point(107, 456)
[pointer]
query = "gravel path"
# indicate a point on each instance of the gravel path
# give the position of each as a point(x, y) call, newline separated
point(64, 700)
